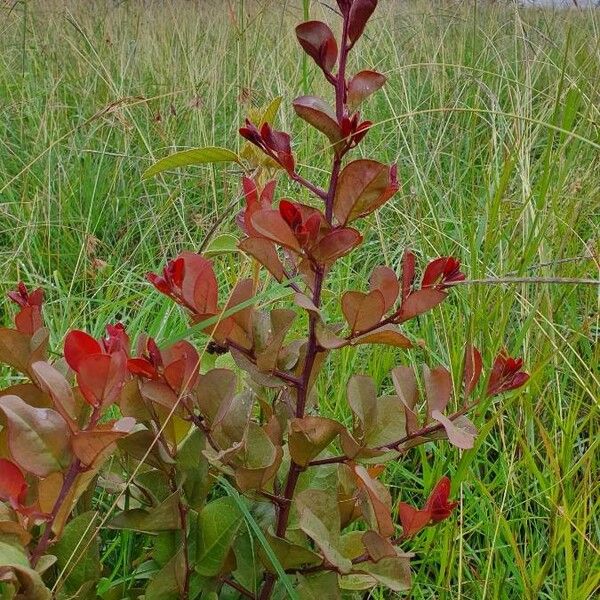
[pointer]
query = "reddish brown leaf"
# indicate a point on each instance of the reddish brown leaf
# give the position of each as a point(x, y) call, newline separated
point(38, 438)
point(271, 225)
point(309, 436)
point(472, 370)
point(265, 253)
point(318, 41)
point(405, 384)
point(384, 279)
point(457, 436)
point(438, 388)
point(420, 302)
point(363, 311)
point(377, 546)
point(388, 335)
point(408, 273)
point(363, 186)
point(54, 383)
point(91, 446)
point(362, 85)
point(316, 112)
point(336, 244)
point(360, 12)
point(19, 350)
point(375, 502)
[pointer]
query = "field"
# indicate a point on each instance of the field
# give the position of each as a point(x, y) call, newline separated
point(493, 114)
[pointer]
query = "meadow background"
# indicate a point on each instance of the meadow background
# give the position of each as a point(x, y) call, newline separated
point(493, 114)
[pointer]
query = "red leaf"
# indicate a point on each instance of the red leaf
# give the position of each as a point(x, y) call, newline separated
point(473, 367)
point(442, 271)
point(506, 374)
point(336, 244)
point(437, 503)
point(318, 41)
point(101, 378)
point(362, 85)
point(29, 319)
point(362, 311)
point(384, 279)
point(199, 285)
point(364, 185)
point(412, 520)
point(13, 486)
point(182, 363)
point(142, 367)
point(78, 346)
point(360, 12)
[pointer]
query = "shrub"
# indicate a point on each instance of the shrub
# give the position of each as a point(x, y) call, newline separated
point(243, 486)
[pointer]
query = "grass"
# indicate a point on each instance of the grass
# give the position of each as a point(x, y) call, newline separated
point(493, 115)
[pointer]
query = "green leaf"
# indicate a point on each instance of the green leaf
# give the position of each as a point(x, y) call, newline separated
point(78, 552)
point(393, 572)
point(290, 555)
point(195, 156)
point(222, 244)
point(192, 467)
point(284, 578)
point(168, 583)
point(320, 520)
point(218, 525)
point(165, 517)
point(28, 581)
point(319, 587)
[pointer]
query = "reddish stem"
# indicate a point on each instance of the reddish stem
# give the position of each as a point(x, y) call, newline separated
point(302, 387)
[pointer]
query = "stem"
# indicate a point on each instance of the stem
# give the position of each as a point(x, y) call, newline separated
point(68, 481)
point(395, 445)
point(303, 385)
point(240, 588)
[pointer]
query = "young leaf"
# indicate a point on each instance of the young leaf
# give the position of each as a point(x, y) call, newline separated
point(196, 156)
point(38, 438)
point(362, 85)
point(218, 524)
point(364, 185)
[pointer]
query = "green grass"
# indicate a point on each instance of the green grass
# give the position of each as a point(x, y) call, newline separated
point(493, 115)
